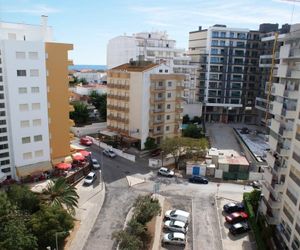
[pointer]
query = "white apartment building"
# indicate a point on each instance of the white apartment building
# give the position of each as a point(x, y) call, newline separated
point(144, 100)
point(156, 47)
point(281, 187)
point(91, 76)
point(24, 104)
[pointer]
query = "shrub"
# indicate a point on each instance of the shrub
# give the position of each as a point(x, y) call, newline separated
point(150, 143)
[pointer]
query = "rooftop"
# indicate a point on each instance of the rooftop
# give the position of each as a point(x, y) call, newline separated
point(136, 66)
point(233, 160)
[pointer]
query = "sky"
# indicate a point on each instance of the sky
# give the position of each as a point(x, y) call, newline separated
point(90, 24)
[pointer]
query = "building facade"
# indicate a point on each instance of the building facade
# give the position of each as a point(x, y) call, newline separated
point(156, 47)
point(144, 100)
point(34, 94)
point(281, 187)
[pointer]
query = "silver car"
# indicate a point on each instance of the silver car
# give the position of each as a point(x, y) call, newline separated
point(176, 226)
point(95, 164)
point(174, 238)
point(110, 153)
point(166, 172)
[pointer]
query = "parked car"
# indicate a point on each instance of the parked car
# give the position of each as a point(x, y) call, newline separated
point(177, 214)
point(233, 207)
point(156, 152)
point(239, 228)
point(86, 141)
point(255, 184)
point(176, 226)
point(95, 164)
point(90, 178)
point(236, 217)
point(174, 238)
point(166, 172)
point(198, 179)
point(109, 153)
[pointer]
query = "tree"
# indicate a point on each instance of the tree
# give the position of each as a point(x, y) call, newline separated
point(185, 119)
point(13, 232)
point(128, 241)
point(150, 143)
point(145, 208)
point(23, 198)
point(192, 131)
point(80, 114)
point(197, 149)
point(49, 222)
point(83, 81)
point(179, 146)
point(59, 193)
point(196, 119)
point(100, 102)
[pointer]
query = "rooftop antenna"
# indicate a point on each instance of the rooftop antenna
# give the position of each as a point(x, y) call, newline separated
point(293, 7)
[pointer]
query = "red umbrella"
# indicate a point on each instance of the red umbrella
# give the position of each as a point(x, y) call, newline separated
point(63, 166)
point(85, 153)
point(78, 157)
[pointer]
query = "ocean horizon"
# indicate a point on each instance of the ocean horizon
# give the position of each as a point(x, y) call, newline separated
point(87, 66)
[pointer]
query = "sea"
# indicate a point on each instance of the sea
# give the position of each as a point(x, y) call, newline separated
point(84, 66)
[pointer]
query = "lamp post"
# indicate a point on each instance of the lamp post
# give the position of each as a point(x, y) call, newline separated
point(56, 240)
point(162, 158)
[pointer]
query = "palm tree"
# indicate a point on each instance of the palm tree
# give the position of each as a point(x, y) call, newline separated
point(61, 194)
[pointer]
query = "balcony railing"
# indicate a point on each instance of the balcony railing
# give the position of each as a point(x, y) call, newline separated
point(118, 86)
point(118, 119)
point(118, 97)
point(118, 108)
point(124, 131)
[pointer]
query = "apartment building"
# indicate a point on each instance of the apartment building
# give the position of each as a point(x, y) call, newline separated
point(281, 187)
point(144, 100)
point(34, 95)
point(155, 47)
point(228, 71)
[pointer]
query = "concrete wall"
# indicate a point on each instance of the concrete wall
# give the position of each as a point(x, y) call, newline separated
point(89, 129)
point(192, 109)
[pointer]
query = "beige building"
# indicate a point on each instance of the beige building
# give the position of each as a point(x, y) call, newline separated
point(281, 187)
point(144, 100)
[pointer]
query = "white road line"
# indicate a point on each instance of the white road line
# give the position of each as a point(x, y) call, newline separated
point(216, 204)
point(193, 226)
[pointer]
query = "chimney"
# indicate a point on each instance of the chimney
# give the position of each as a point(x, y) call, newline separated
point(44, 21)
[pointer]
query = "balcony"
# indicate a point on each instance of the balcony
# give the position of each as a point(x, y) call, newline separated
point(285, 133)
point(272, 220)
point(118, 119)
point(123, 131)
point(277, 89)
point(270, 159)
point(118, 108)
point(276, 108)
point(275, 125)
point(289, 114)
point(158, 132)
point(118, 97)
point(179, 109)
point(291, 94)
point(154, 100)
point(118, 86)
point(158, 111)
point(179, 87)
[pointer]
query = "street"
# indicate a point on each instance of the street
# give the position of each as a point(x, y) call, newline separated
point(196, 198)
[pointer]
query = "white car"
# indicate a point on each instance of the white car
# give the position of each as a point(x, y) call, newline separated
point(166, 172)
point(110, 153)
point(95, 164)
point(90, 178)
point(177, 214)
point(176, 226)
point(174, 238)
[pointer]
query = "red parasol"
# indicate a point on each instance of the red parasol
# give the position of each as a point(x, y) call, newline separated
point(85, 153)
point(78, 157)
point(63, 166)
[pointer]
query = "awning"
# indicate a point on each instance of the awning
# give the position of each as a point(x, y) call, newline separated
point(63, 166)
point(108, 133)
point(85, 153)
point(23, 171)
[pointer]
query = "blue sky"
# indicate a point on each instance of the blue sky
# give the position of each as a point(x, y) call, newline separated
point(90, 24)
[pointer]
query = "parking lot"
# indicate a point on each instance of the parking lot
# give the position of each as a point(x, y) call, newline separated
point(243, 241)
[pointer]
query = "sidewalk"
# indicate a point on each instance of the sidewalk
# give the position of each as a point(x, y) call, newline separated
point(90, 202)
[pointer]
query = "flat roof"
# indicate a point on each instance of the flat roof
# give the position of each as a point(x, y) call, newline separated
point(136, 67)
point(233, 160)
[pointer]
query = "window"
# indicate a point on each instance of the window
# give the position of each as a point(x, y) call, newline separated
point(24, 124)
point(2, 122)
point(168, 106)
point(215, 34)
point(2, 113)
point(2, 96)
point(3, 155)
point(38, 153)
point(5, 170)
point(214, 59)
point(167, 128)
point(168, 117)
point(2, 105)
point(34, 72)
point(22, 90)
point(160, 71)
point(4, 146)
point(214, 42)
point(3, 130)
point(166, 71)
point(27, 156)
point(1, 88)
point(160, 84)
point(6, 162)
point(25, 140)
point(36, 106)
point(21, 72)
point(214, 51)
point(37, 122)
point(35, 89)
point(223, 34)
point(38, 138)
point(20, 55)
point(33, 55)
point(3, 138)
point(169, 95)
point(23, 107)
point(170, 84)
point(232, 34)
point(159, 95)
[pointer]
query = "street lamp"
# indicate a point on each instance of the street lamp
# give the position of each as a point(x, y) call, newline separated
point(162, 158)
point(56, 240)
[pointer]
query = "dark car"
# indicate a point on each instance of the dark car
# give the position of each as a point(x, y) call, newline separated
point(239, 228)
point(156, 152)
point(233, 207)
point(198, 179)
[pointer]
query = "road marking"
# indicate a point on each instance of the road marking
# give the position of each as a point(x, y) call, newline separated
point(217, 207)
point(193, 227)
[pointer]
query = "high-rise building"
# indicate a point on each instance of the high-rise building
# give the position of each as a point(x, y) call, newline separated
point(144, 100)
point(155, 47)
point(228, 71)
point(281, 187)
point(34, 97)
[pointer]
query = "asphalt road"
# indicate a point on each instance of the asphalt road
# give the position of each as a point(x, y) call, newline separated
point(198, 199)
